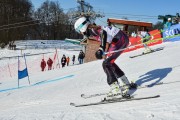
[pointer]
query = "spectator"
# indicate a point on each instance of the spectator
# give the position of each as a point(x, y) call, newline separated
point(63, 61)
point(81, 57)
point(145, 37)
point(133, 34)
point(49, 63)
point(43, 65)
point(73, 59)
point(168, 23)
point(67, 61)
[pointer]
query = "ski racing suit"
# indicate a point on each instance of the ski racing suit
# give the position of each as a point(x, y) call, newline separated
point(117, 40)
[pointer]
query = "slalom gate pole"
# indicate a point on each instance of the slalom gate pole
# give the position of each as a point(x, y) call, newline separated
point(58, 59)
point(105, 53)
point(9, 70)
point(18, 71)
point(26, 68)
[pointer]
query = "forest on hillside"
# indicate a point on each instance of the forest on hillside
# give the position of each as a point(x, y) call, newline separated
point(21, 21)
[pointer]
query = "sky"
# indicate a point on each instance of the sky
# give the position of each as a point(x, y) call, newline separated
point(142, 10)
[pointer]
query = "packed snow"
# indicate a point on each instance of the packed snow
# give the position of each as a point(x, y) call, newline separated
point(49, 95)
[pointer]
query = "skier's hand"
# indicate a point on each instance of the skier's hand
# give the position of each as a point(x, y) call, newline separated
point(99, 53)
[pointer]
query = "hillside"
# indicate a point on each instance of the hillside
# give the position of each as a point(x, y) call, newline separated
point(49, 95)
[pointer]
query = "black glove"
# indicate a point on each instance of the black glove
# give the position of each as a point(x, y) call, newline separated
point(99, 54)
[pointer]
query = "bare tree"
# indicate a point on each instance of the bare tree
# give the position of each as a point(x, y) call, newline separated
point(53, 20)
point(14, 16)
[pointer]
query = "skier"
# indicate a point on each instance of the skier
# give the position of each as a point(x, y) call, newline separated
point(73, 59)
point(145, 37)
point(116, 40)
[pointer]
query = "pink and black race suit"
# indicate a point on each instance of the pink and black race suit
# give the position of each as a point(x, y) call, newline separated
point(117, 40)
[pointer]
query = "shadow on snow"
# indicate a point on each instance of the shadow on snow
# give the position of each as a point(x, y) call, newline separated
point(156, 76)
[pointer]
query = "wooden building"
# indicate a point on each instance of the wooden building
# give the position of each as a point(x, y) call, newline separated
point(125, 24)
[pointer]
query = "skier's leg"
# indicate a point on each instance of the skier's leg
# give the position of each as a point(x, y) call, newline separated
point(113, 71)
point(147, 48)
point(118, 72)
point(115, 88)
point(121, 77)
point(107, 66)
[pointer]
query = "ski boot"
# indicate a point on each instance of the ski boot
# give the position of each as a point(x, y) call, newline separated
point(127, 84)
point(114, 93)
point(126, 96)
point(147, 50)
point(133, 85)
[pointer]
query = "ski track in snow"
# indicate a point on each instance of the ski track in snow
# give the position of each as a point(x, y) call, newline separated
point(51, 101)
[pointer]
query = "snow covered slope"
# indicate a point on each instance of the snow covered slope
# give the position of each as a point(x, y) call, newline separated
point(49, 95)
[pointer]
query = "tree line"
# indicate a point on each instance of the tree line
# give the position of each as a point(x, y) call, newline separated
point(21, 21)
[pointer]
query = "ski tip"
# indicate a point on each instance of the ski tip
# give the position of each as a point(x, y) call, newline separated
point(82, 95)
point(157, 96)
point(72, 104)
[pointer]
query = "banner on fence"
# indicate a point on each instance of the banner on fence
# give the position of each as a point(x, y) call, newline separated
point(136, 42)
point(172, 33)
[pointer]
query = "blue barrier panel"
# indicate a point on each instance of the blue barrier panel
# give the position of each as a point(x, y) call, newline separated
point(172, 33)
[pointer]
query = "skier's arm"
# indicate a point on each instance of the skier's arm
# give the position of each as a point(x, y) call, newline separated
point(103, 37)
point(100, 52)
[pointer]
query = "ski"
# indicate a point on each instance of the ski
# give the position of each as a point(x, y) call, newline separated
point(114, 101)
point(85, 96)
point(155, 50)
point(92, 95)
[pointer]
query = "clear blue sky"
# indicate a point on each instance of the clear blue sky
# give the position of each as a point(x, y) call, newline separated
point(115, 8)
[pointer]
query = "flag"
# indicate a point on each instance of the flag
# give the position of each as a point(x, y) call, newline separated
point(56, 62)
point(22, 73)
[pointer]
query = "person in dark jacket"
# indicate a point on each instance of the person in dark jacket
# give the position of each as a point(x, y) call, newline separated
point(73, 59)
point(43, 65)
point(63, 61)
point(49, 63)
point(81, 57)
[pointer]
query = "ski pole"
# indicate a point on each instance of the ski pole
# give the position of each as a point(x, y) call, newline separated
point(150, 41)
point(105, 53)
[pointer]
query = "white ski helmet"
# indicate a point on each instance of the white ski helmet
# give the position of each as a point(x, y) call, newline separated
point(81, 25)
